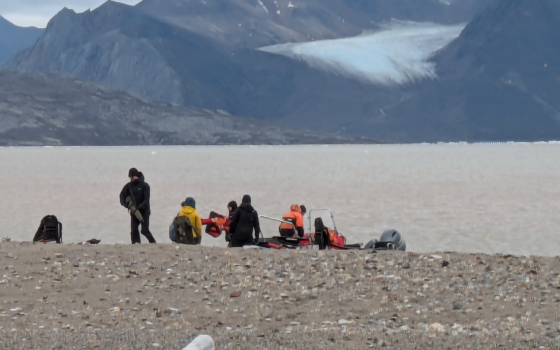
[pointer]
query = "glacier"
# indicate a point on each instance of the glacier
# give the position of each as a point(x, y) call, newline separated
point(397, 54)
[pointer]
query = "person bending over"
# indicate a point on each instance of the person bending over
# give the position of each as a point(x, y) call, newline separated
point(135, 196)
point(244, 221)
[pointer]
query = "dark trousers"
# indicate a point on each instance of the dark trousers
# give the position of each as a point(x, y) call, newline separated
point(237, 243)
point(135, 235)
point(289, 232)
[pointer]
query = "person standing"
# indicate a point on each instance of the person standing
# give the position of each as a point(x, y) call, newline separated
point(303, 212)
point(135, 196)
point(232, 207)
point(244, 221)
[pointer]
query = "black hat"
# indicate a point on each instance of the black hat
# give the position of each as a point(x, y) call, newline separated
point(303, 209)
point(133, 172)
point(189, 202)
point(246, 199)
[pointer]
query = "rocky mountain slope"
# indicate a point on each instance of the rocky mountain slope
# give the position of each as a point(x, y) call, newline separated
point(500, 80)
point(200, 53)
point(14, 38)
point(258, 23)
point(203, 56)
point(52, 109)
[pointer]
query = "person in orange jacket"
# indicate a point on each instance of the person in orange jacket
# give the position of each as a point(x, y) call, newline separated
point(296, 219)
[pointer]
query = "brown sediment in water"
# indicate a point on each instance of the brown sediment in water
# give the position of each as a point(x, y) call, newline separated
point(162, 296)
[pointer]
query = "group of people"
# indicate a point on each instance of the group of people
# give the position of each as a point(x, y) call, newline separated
point(241, 226)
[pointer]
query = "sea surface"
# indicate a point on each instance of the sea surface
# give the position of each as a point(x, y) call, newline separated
point(468, 198)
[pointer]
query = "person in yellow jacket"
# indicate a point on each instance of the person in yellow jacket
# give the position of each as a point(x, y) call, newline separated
point(188, 209)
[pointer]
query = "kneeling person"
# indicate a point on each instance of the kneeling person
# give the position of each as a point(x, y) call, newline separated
point(296, 219)
point(188, 226)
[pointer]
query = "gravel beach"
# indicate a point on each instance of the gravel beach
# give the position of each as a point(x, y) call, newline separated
point(162, 296)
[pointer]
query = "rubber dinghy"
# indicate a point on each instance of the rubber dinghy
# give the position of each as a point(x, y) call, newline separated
point(326, 238)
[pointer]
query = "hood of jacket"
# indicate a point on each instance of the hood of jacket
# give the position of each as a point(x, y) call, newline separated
point(186, 210)
point(246, 207)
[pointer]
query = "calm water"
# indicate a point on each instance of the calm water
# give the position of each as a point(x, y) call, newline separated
point(477, 198)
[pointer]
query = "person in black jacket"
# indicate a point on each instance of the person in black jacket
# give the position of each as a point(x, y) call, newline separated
point(245, 219)
point(232, 207)
point(140, 193)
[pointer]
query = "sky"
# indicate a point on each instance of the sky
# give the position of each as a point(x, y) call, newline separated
point(37, 13)
point(398, 54)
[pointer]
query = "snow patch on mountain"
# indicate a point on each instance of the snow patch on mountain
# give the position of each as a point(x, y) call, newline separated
point(262, 5)
point(399, 53)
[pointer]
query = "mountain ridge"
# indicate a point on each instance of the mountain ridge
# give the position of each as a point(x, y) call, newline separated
point(14, 38)
point(258, 23)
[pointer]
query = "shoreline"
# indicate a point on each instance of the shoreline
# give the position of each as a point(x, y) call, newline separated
point(257, 145)
point(128, 297)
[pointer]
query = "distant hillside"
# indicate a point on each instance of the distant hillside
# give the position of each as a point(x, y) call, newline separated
point(258, 23)
point(14, 38)
point(500, 80)
point(51, 109)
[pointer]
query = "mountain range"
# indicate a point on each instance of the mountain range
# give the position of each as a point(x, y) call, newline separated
point(497, 81)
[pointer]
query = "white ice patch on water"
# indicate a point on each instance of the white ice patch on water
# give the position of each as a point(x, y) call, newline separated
point(397, 54)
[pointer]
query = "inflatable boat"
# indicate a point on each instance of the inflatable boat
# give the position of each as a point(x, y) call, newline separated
point(323, 237)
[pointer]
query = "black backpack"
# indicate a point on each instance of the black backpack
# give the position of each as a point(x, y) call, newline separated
point(49, 230)
point(184, 231)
